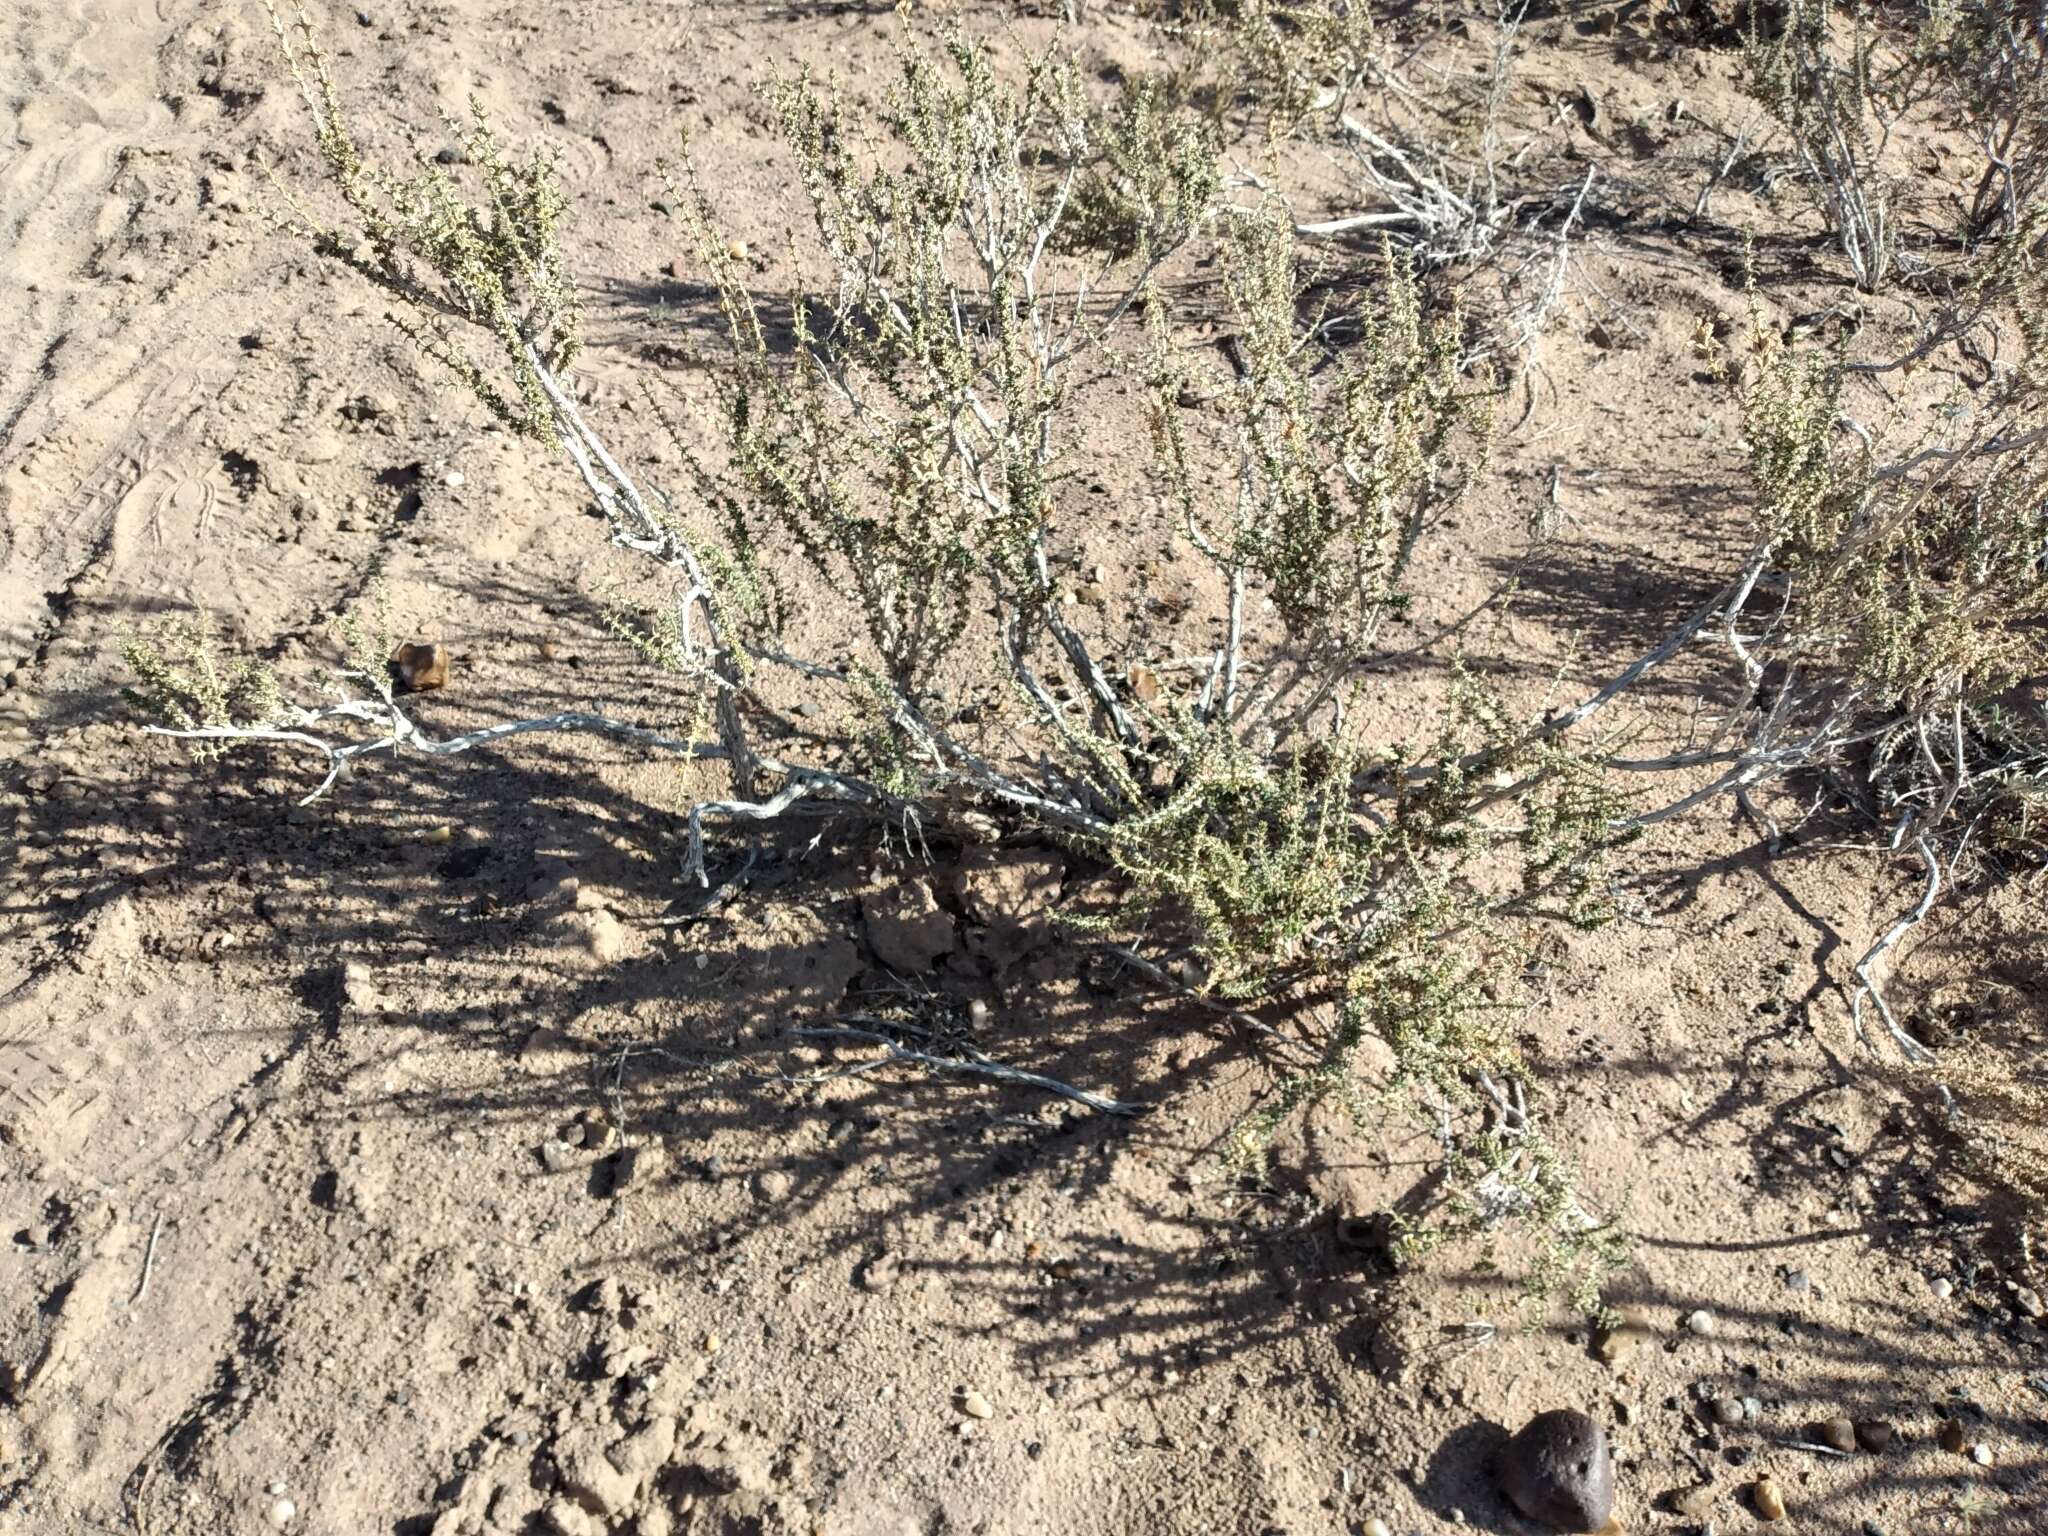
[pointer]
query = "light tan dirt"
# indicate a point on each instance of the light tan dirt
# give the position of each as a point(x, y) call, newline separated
point(425, 1181)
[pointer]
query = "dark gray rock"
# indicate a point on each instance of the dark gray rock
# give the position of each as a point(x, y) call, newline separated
point(1560, 1472)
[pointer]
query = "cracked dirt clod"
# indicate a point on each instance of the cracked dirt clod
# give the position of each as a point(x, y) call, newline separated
point(907, 928)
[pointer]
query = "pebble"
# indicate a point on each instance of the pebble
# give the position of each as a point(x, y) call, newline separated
point(975, 1406)
point(1798, 1280)
point(1700, 1323)
point(421, 665)
point(283, 1512)
point(1839, 1433)
point(1727, 1411)
point(1558, 1470)
point(1873, 1435)
point(1617, 1343)
point(1770, 1501)
point(557, 1155)
point(1980, 1453)
point(1952, 1436)
point(1378, 1527)
point(773, 1185)
point(1942, 1286)
point(2028, 1301)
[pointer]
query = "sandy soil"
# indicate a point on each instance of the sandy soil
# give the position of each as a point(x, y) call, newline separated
point(365, 1178)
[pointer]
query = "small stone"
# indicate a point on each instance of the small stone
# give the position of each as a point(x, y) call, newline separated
point(283, 1512)
point(1942, 1286)
point(1616, 1343)
point(1378, 1527)
point(453, 479)
point(1700, 1323)
point(1798, 1280)
point(556, 1155)
point(773, 1186)
point(1752, 1409)
point(1839, 1433)
point(1558, 1470)
point(1873, 1435)
point(1770, 1499)
point(975, 1406)
point(1980, 1453)
point(736, 249)
point(2027, 1301)
point(421, 666)
point(1951, 1436)
point(1727, 1411)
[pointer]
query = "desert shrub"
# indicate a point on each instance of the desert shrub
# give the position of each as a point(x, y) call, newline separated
point(1890, 629)
point(900, 436)
point(1991, 63)
point(1830, 101)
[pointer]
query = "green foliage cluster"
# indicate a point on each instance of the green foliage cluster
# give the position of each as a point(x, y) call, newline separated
point(183, 679)
point(1916, 584)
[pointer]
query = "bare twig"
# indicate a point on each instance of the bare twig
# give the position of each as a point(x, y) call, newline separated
point(979, 1066)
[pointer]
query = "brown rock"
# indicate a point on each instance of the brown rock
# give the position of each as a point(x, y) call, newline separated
point(1630, 1329)
point(421, 666)
point(1839, 1433)
point(1873, 1435)
point(1769, 1498)
point(1559, 1471)
point(1952, 1439)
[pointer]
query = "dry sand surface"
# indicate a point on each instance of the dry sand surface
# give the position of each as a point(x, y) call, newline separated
point(360, 1177)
